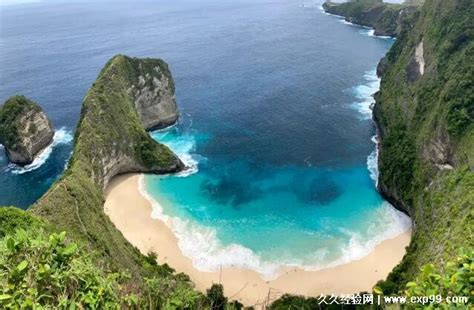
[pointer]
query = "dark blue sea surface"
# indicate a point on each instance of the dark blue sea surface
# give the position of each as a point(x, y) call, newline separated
point(275, 121)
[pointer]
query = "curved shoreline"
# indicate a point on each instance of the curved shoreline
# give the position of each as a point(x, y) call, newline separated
point(131, 214)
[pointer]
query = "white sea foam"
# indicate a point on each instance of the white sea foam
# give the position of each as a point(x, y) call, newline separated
point(372, 162)
point(387, 223)
point(364, 94)
point(61, 136)
point(368, 32)
point(207, 253)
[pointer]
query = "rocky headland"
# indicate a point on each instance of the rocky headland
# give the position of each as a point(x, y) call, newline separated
point(385, 18)
point(111, 139)
point(25, 130)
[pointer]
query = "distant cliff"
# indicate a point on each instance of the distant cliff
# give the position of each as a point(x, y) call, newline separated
point(425, 114)
point(110, 139)
point(24, 129)
point(385, 18)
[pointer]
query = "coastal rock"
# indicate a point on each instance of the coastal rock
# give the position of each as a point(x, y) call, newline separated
point(24, 129)
point(416, 66)
point(154, 96)
point(110, 139)
point(381, 67)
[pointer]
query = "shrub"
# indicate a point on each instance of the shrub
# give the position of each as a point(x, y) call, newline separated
point(12, 218)
point(41, 270)
point(457, 279)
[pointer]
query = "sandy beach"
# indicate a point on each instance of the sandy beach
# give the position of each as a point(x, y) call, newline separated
point(131, 214)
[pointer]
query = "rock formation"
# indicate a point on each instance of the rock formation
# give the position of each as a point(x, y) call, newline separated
point(111, 139)
point(24, 129)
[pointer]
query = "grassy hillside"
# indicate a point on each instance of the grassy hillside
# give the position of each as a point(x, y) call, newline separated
point(425, 112)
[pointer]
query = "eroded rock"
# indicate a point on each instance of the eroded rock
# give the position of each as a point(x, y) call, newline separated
point(25, 129)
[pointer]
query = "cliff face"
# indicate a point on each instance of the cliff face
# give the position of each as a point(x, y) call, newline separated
point(385, 18)
point(24, 129)
point(425, 114)
point(153, 94)
point(110, 139)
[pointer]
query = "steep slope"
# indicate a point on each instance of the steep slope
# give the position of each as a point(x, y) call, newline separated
point(110, 139)
point(385, 18)
point(425, 113)
point(24, 129)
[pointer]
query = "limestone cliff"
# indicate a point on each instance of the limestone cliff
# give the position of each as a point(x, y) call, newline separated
point(425, 114)
point(24, 129)
point(153, 95)
point(110, 139)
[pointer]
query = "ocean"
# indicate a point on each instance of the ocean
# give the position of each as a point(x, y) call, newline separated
point(275, 123)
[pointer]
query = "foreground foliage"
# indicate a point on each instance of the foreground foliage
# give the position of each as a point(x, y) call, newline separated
point(457, 279)
point(40, 269)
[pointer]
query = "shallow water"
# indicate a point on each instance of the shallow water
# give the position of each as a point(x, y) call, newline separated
point(275, 120)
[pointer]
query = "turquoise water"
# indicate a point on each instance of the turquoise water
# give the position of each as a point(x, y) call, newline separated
point(230, 211)
point(275, 120)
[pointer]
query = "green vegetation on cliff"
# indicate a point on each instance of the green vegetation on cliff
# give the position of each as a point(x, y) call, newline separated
point(109, 140)
point(425, 112)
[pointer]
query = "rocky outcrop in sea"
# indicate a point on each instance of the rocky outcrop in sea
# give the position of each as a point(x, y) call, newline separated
point(25, 130)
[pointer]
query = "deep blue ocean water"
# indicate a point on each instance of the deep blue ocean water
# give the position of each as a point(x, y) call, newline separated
point(275, 120)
